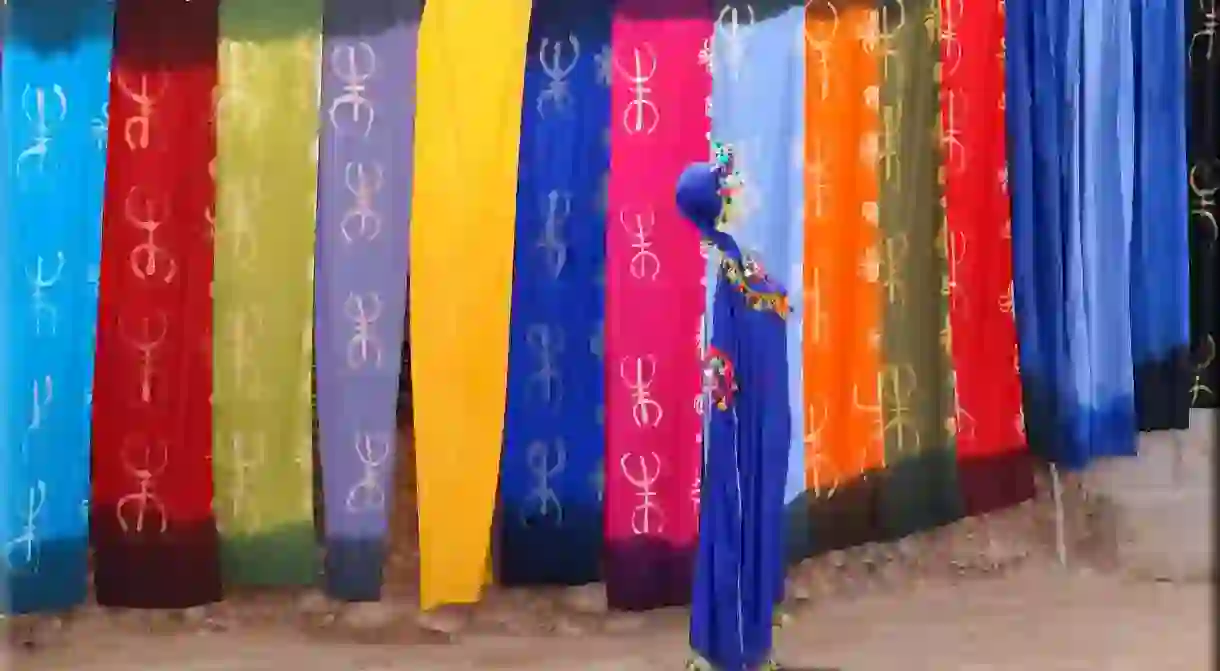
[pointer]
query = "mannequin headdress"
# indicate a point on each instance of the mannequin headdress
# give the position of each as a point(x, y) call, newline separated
point(706, 194)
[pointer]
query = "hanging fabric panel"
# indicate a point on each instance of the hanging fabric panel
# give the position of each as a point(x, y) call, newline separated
point(758, 99)
point(56, 58)
point(1075, 345)
point(994, 466)
point(364, 207)
point(842, 324)
point(152, 519)
point(1099, 246)
point(654, 303)
point(1203, 57)
point(915, 385)
point(266, 182)
point(463, 214)
point(551, 469)
point(1160, 268)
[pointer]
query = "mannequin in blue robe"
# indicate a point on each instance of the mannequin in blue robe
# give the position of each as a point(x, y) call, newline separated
point(739, 571)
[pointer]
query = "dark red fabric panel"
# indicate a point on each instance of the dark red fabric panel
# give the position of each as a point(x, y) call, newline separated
point(154, 533)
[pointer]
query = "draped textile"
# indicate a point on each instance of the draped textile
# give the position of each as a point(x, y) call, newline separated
point(1105, 161)
point(758, 86)
point(993, 461)
point(152, 519)
point(1160, 267)
point(469, 83)
point(1070, 221)
point(56, 56)
point(1203, 57)
point(841, 358)
point(654, 303)
point(740, 558)
point(915, 405)
point(364, 207)
point(554, 444)
point(266, 185)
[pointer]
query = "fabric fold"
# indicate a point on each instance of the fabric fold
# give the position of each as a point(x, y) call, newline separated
point(463, 209)
point(266, 197)
point(654, 302)
point(364, 210)
point(995, 468)
point(152, 519)
point(56, 59)
point(551, 468)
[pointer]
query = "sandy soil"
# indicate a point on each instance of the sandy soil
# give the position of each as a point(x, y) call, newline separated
point(1035, 619)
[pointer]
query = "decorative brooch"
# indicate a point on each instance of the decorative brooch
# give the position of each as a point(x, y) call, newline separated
point(718, 378)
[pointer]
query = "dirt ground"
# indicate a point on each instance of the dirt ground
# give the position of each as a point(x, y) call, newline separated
point(1040, 618)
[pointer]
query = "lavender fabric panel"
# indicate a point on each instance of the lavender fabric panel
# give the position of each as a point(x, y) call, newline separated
point(364, 201)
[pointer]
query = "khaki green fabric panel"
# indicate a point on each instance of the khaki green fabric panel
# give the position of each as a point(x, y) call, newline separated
point(919, 488)
point(266, 180)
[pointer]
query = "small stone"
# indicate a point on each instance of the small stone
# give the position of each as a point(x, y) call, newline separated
point(314, 603)
point(624, 623)
point(587, 599)
point(443, 620)
point(368, 616)
point(567, 627)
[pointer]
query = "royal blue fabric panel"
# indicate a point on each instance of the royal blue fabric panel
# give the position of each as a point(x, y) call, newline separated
point(55, 93)
point(550, 529)
point(1071, 136)
point(1160, 250)
point(758, 108)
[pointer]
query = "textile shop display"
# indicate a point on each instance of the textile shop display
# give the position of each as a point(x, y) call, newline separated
point(550, 530)
point(266, 185)
point(741, 524)
point(841, 357)
point(1102, 335)
point(758, 107)
point(915, 394)
point(54, 96)
point(152, 519)
point(994, 224)
point(1160, 279)
point(654, 303)
point(994, 468)
point(364, 208)
point(1203, 180)
point(462, 233)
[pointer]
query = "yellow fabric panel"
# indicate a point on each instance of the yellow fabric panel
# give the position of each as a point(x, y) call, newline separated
point(467, 126)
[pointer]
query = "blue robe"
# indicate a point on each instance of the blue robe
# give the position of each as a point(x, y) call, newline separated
point(739, 566)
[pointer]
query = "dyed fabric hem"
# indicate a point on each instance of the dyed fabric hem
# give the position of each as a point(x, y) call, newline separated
point(60, 583)
point(846, 518)
point(354, 567)
point(996, 481)
point(1163, 390)
point(276, 557)
point(556, 556)
point(649, 573)
point(918, 493)
point(176, 569)
point(1072, 436)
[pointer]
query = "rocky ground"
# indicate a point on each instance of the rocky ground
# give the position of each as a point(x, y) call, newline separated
point(1038, 617)
point(984, 594)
